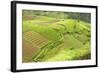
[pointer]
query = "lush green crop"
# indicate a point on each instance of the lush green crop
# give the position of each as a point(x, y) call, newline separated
point(56, 40)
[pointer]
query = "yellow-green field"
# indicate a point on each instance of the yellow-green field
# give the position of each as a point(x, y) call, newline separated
point(49, 38)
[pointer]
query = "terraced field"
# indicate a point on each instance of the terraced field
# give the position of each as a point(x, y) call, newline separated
point(47, 39)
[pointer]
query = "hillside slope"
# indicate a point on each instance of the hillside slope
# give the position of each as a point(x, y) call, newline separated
point(56, 40)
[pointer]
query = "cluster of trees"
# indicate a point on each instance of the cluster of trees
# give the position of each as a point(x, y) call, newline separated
point(80, 16)
point(57, 14)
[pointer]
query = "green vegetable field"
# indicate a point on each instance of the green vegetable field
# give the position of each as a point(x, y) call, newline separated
point(55, 36)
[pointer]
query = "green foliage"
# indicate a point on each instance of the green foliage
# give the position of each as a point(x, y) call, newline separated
point(59, 36)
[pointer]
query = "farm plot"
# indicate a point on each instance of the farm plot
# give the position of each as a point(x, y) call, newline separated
point(47, 39)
